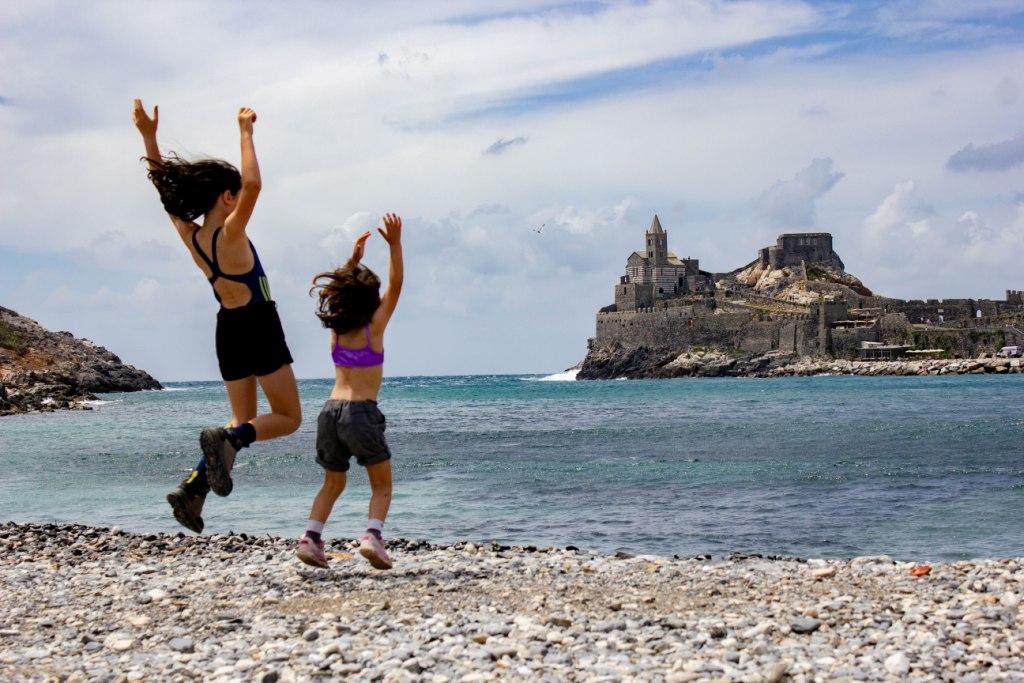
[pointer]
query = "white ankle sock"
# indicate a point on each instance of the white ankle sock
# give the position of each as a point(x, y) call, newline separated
point(375, 524)
point(315, 526)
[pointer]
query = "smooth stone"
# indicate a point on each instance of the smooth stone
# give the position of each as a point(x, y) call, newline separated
point(805, 625)
point(181, 644)
point(681, 676)
point(245, 664)
point(775, 672)
point(495, 629)
point(897, 664)
point(119, 642)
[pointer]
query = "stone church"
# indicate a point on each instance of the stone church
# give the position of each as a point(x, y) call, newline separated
point(657, 273)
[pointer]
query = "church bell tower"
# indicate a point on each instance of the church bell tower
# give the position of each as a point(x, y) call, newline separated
point(657, 243)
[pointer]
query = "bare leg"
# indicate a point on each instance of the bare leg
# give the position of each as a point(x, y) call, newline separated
point(285, 414)
point(372, 545)
point(242, 396)
point(334, 484)
point(380, 485)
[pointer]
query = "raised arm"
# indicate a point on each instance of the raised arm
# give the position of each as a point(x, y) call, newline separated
point(234, 224)
point(147, 128)
point(392, 234)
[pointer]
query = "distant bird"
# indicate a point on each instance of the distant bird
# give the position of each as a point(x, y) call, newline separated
point(540, 229)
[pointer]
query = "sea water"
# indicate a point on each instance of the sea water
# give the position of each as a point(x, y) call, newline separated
point(916, 467)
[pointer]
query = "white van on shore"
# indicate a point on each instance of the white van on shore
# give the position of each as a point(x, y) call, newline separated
point(1009, 352)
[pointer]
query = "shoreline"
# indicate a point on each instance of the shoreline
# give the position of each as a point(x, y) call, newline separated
point(83, 603)
point(663, 363)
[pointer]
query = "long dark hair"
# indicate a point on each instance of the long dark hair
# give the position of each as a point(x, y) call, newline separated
point(347, 297)
point(188, 189)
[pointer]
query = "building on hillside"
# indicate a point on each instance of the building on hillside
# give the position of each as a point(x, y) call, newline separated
point(792, 249)
point(657, 273)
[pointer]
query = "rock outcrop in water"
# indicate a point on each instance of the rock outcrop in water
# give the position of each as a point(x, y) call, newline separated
point(654, 363)
point(44, 370)
point(789, 311)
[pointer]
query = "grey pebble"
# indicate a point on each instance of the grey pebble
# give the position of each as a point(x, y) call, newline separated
point(181, 644)
point(805, 625)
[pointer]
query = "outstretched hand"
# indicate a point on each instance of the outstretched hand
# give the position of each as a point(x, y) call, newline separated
point(357, 248)
point(392, 230)
point(142, 120)
point(246, 117)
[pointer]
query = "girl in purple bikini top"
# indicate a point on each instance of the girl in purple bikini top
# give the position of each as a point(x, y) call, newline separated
point(349, 298)
point(364, 357)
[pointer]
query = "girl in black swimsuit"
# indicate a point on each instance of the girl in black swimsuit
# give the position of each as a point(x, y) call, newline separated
point(250, 342)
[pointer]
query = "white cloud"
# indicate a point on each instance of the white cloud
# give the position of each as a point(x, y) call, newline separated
point(901, 215)
point(914, 250)
point(790, 204)
point(994, 246)
point(338, 241)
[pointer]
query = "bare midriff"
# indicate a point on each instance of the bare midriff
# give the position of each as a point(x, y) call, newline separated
point(357, 384)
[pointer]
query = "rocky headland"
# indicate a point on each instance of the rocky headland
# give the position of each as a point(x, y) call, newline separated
point(658, 363)
point(793, 310)
point(42, 370)
point(84, 603)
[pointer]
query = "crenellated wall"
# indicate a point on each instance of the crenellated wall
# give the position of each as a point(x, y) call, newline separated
point(938, 311)
point(696, 326)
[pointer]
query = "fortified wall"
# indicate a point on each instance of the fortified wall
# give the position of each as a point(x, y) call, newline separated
point(690, 326)
point(714, 322)
point(938, 311)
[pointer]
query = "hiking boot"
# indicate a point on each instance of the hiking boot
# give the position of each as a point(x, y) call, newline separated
point(220, 458)
point(372, 548)
point(311, 552)
point(187, 508)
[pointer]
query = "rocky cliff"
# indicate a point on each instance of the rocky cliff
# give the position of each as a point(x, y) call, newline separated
point(43, 370)
point(801, 285)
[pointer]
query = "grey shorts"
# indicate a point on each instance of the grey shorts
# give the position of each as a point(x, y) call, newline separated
point(347, 428)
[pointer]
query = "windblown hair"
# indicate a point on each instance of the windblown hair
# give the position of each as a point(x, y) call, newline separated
point(188, 189)
point(348, 297)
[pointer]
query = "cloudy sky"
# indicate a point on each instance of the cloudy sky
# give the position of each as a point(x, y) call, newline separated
point(896, 126)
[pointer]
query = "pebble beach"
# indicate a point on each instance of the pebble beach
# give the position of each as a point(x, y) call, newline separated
point(82, 603)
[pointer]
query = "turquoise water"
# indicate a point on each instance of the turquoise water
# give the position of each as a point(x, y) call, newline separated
point(920, 468)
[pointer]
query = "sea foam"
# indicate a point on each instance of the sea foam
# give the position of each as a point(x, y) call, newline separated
point(567, 376)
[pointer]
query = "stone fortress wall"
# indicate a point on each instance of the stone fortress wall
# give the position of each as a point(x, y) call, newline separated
point(682, 327)
point(937, 311)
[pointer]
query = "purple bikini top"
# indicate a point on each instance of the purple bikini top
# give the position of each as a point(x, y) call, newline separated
point(365, 357)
